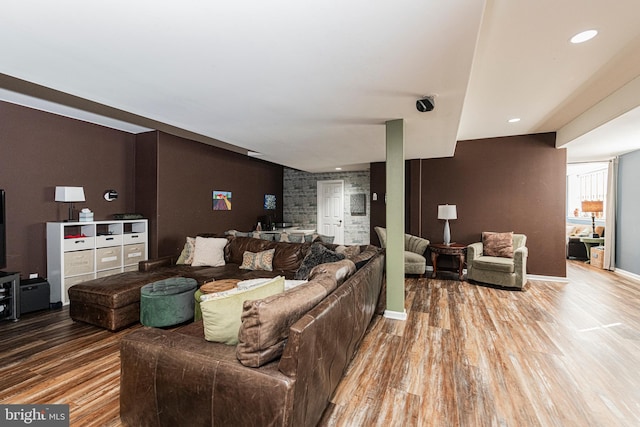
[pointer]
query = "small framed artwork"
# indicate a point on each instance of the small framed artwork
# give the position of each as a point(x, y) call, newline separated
point(269, 201)
point(221, 200)
point(358, 204)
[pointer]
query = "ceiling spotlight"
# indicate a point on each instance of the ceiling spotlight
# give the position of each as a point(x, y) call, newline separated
point(584, 36)
point(425, 104)
point(514, 120)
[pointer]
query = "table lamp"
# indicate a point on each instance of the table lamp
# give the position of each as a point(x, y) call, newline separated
point(70, 195)
point(592, 207)
point(447, 212)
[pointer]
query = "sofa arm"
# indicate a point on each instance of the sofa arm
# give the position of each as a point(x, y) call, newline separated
point(168, 378)
point(474, 251)
point(152, 264)
point(520, 263)
point(415, 244)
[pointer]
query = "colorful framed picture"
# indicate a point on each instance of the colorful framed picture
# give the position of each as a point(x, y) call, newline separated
point(269, 201)
point(221, 200)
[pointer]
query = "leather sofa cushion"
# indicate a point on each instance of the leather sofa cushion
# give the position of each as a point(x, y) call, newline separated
point(364, 256)
point(287, 256)
point(338, 271)
point(266, 322)
point(152, 264)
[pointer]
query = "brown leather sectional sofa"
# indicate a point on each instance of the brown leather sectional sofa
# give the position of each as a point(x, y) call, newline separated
point(113, 302)
point(177, 378)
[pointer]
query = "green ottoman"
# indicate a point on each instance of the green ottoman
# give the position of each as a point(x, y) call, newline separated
point(167, 302)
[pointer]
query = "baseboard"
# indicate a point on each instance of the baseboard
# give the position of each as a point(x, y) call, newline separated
point(547, 278)
point(627, 274)
point(530, 276)
point(395, 315)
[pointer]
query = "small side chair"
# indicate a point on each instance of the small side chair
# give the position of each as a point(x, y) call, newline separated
point(500, 259)
point(414, 249)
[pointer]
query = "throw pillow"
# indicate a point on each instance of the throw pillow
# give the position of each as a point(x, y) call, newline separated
point(209, 251)
point(222, 316)
point(318, 254)
point(258, 261)
point(186, 256)
point(251, 283)
point(497, 244)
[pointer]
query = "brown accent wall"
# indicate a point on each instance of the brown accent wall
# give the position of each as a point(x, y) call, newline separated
point(38, 151)
point(186, 175)
point(498, 184)
point(147, 184)
point(378, 182)
point(166, 178)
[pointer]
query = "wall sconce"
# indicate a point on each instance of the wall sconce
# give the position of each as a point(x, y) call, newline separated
point(70, 195)
point(110, 195)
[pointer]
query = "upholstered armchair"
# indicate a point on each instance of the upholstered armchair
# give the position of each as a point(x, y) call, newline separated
point(414, 249)
point(500, 259)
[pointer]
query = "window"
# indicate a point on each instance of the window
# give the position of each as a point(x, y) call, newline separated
point(586, 181)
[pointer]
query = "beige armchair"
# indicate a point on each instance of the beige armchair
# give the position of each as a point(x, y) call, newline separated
point(499, 270)
point(414, 249)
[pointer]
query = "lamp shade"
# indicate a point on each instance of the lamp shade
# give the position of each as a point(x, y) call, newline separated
point(592, 206)
point(447, 212)
point(70, 194)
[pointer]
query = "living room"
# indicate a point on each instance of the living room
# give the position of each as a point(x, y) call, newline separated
point(500, 181)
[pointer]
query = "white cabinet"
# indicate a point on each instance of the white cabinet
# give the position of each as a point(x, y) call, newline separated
point(81, 251)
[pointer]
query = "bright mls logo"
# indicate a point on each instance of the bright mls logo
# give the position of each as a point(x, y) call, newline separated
point(34, 415)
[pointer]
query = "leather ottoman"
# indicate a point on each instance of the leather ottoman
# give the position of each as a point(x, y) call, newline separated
point(167, 302)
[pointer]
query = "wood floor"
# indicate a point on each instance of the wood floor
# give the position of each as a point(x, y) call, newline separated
point(558, 354)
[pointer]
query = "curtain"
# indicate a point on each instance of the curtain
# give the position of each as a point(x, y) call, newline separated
point(609, 262)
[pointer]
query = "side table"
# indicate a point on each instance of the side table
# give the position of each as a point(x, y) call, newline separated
point(455, 249)
point(590, 242)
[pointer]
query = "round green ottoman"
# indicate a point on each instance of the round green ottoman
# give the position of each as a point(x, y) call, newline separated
point(167, 302)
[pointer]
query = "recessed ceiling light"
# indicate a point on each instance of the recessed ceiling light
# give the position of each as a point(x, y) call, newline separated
point(514, 120)
point(584, 36)
point(338, 169)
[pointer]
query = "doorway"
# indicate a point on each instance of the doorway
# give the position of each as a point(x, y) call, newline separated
point(331, 209)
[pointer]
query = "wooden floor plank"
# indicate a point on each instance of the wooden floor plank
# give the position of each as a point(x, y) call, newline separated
point(557, 354)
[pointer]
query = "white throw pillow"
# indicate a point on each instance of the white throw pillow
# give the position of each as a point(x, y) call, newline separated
point(209, 251)
point(250, 283)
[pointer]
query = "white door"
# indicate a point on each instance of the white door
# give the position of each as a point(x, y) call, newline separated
point(330, 209)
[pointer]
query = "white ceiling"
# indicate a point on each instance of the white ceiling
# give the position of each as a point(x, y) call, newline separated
point(310, 86)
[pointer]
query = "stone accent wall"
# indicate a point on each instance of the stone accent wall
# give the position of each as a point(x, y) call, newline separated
point(300, 201)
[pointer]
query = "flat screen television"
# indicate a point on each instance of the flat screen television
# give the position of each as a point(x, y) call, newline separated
point(3, 234)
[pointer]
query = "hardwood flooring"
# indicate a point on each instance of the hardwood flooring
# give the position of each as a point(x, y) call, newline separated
point(558, 354)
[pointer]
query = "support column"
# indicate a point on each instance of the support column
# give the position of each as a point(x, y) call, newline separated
point(395, 220)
